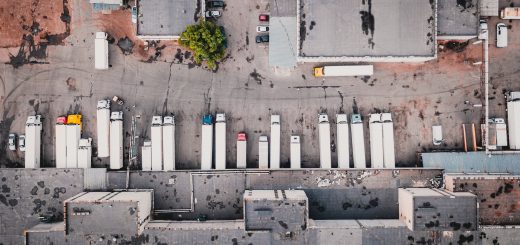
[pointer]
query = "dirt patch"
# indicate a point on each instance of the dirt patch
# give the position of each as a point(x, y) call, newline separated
point(40, 18)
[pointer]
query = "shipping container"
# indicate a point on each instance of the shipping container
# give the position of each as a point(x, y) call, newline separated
point(73, 137)
point(295, 152)
point(358, 141)
point(263, 152)
point(206, 152)
point(61, 143)
point(169, 143)
point(103, 128)
point(220, 141)
point(275, 142)
point(342, 135)
point(33, 132)
point(116, 140)
point(324, 138)
point(85, 153)
point(513, 119)
point(241, 150)
point(146, 156)
point(388, 141)
point(157, 142)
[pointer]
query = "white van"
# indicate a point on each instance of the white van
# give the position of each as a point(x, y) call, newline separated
point(501, 35)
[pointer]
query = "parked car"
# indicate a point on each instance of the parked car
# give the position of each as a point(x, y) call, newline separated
point(223, 31)
point(12, 142)
point(21, 142)
point(262, 28)
point(262, 39)
point(215, 4)
point(483, 30)
point(263, 17)
point(134, 14)
point(501, 35)
point(213, 13)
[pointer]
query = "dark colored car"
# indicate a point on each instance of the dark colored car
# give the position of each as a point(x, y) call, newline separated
point(223, 31)
point(262, 39)
point(263, 17)
point(215, 4)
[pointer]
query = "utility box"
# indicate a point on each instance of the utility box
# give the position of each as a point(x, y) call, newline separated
point(427, 209)
point(95, 213)
point(279, 211)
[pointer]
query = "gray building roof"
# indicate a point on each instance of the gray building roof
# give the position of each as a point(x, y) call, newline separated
point(472, 162)
point(282, 42)
point(488, 7)
point(165, 19)
point(353, 30)
point(457, 19)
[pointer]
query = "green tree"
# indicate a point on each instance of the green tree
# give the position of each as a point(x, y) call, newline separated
point(207, 42)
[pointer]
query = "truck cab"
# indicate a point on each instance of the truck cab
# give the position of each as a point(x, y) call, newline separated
point(318, 71)
point(241, 136)
point(207, 119)
point(323, 118)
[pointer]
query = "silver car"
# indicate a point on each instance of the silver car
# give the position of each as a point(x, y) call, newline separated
point(21, 142)
point(12, 142)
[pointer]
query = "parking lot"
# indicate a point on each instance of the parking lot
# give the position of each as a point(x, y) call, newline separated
point(443, 91)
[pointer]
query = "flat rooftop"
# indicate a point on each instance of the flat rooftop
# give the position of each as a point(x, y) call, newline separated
point(457, 18)
point(351, 28)
point(165, 17)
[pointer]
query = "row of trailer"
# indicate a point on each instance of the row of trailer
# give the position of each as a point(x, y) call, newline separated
point(159, 152)
point(72, 151)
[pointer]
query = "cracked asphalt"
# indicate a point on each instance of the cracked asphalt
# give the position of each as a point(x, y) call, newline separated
point(249, 91)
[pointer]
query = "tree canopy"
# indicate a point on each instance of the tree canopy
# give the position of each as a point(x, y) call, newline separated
point(206, 40)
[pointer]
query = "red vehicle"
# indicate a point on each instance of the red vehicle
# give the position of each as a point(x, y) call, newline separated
point(241, 136)
point(263, 17)
point(61, 120)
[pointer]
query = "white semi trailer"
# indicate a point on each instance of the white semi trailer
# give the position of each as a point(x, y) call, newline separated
point(275, 142)
point(169, 143)
point(263, 152)
point(157, 142)
point(61, 142)
point(73, 137)
point(388, 140)
point(376, 140)
point(220, 141)
point(324, 138)
point(342, 135)
point(241, 150)
point(116, 140)
point(358, 141)
point(295, 152)
point(85, 153)
point(101, 51)
point(33, 134)
point(103, 128)
point(513, 119)
point(146, 156)
point(206, 151)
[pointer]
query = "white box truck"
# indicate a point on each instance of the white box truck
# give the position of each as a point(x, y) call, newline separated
point(169, 143)
point(241, 150)
point(358, 141)
point(220, 141)
point(33, 134)
point(101, 51)
point(206, 151)
point(342, 147)
point(146, 156)
point(341, 71)
point(73, 137)
point(501, 131)
point(61, 142)
point(116, 140)
point(513, 119)
point(295, 152)
point(263, 152)
point(85, 153)
point(157, 142)
point(376, 140)
point(275, 142)
point(324, 138)
point(103, 128)
point(388, 140)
